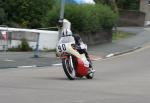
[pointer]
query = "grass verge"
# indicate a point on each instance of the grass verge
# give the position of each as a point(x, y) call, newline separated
point(119, 35)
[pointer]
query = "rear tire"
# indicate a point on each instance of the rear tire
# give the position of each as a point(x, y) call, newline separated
point(90, 75)
point(69, 68)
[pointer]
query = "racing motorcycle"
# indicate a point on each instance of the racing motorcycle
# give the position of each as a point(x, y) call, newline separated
point(72, 62)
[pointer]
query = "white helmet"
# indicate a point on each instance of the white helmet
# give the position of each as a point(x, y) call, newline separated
point(66, 32)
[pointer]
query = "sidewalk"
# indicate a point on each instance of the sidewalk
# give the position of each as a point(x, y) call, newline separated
point(25, 59)
point(118, 47)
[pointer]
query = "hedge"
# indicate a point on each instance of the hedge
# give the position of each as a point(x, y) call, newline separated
point(84, 18)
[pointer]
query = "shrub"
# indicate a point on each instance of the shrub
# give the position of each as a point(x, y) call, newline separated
point(24, 46)
point(85, 18)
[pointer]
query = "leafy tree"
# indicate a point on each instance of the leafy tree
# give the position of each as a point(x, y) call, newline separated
point(111, 3)
point(2, 16)
point(26, 13)
point(85, 18)
point(103, 1)
point(128, 4)
point(122, 4)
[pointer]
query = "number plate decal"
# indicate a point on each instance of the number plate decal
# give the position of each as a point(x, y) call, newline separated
point(61, 48)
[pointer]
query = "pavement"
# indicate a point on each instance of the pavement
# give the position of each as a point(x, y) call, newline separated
point(139, 37)
point(121, 79)
point(26, 59)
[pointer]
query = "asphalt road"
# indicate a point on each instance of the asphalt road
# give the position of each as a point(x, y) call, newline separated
point(122, 79)
point(19, 59)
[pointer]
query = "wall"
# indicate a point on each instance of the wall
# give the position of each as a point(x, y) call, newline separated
point(47, 39)
point(145, 7)
point(97, 38)
point(131, 18)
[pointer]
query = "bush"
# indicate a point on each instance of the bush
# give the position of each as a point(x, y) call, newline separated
point(85, 18)
point(24, 46)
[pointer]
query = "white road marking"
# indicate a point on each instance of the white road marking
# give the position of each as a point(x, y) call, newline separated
point(96, 59)
point(27, 66)
point(130, 53)
point(59, 64)
point(109, 55)
point(7, 60)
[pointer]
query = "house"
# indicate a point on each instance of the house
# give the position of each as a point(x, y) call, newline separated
point(145, 7)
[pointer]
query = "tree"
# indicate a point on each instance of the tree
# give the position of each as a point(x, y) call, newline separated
point(121, 4)
point(111, 3)
point(114, 6)
point(103, 1)
point(26, 13)
point(128, 4)
point(2, 16)
point(85, 18)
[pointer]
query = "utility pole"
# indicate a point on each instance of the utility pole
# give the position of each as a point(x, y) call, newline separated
point(62, 10)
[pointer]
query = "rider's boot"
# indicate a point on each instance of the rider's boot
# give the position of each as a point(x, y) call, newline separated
point(91, 70)
point(88, 63)
point(89, 66)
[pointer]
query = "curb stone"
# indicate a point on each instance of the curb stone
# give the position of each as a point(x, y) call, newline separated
point(123, 52)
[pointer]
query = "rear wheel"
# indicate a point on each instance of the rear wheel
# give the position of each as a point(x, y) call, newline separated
point(90, 75)
point(69, 68)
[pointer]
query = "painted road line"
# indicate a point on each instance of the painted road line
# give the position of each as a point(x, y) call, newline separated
point(7, 60)
point(109, 55)
point(123, 52)
point(95, 58)
point(30, 66)
point(58, 64)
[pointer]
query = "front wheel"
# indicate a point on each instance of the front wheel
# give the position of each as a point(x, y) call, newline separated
point(68, 68)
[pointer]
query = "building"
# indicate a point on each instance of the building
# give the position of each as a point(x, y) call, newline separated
point(145, 7)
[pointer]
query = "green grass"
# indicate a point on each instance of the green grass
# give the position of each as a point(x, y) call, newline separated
point(119, 35)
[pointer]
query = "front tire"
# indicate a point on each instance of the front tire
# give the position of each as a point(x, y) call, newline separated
point(68, 68)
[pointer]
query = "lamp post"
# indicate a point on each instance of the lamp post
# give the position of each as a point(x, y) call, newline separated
point(62, 10)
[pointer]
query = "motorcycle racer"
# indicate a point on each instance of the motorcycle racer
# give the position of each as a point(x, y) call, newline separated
point(68, 37)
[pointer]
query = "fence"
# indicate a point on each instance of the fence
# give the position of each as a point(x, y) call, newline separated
point(14, 38)
point(4, 41)
point(47, 39)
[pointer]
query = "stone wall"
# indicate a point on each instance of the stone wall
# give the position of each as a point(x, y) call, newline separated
point(145, 7)
point(97, 38)
point(131, 18)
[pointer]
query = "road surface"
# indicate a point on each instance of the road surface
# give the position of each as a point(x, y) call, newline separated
point(122, 79)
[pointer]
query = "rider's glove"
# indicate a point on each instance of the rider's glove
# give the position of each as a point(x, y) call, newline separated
point(83, 46)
